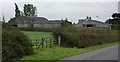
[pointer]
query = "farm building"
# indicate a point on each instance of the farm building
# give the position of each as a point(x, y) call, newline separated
point(89, 23)
point(35, 22)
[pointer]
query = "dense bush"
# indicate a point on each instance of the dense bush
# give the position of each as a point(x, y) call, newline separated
point(14, 44)
point(37, 29)
point(73, 37)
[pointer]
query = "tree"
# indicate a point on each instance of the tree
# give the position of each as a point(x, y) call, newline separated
point(17, 11)
point(116, 15)
point(66, 23)
point(29, 10)
point(115, 21)
point(66, 19)
point(22, 14)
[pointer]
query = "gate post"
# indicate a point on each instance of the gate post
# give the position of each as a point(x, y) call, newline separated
point(59, 40)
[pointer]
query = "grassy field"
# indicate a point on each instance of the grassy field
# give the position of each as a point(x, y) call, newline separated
point(57, 53)
point(37, 35)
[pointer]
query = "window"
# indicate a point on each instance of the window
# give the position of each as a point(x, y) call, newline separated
point(14, 25)
point(88, 25)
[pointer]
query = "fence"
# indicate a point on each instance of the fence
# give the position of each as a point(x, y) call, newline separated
point(47, 42)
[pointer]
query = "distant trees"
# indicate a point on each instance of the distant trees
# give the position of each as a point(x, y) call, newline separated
point(115, 21)
point(17, 11)
point(65, 23)
point(30, 10)
point(116, 15)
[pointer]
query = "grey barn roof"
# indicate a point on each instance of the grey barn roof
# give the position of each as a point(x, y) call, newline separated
point(80, 20)
point(33, 20)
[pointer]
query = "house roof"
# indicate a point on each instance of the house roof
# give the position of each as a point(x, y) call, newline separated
point(82, 20)
point(34, 20)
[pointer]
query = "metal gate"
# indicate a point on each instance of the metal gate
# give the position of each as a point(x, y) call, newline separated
point(46, 42)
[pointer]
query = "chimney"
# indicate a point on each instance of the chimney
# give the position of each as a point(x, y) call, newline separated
point(87, 17)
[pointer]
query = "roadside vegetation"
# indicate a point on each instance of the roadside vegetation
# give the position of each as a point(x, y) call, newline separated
point(57, 53)
point(88, 40)
point(82, 38)
point(37, 29)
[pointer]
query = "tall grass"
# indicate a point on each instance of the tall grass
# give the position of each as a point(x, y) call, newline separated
point(81, 38)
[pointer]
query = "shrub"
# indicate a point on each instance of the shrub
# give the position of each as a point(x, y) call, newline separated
point(14, 44)
point(81, 38)
point(37, 29)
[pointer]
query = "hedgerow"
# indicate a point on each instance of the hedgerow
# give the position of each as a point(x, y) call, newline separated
point(37, 29)
point(14, 44)
point(81, 38)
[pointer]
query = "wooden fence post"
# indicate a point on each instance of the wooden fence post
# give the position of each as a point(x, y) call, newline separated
point(59, 40)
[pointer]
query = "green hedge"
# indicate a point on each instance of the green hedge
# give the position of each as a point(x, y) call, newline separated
point(37, 29)
point(14, 44)
point(81, 38)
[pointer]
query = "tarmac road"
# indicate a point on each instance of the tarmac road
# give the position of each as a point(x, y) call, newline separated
point(109, 53)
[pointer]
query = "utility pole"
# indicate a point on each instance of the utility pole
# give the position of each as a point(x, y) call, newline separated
point(119, 7)
point(3, 18)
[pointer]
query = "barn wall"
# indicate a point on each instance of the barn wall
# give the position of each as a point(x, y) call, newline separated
point(22, 25)
point(38, 25)
point(45, 25)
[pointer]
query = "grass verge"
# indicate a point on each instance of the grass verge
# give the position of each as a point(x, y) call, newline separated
point(57, 53)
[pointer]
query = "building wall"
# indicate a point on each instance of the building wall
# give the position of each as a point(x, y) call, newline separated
point(50, 25)
point(45, 25)
point(38, 25)
point(22, 25)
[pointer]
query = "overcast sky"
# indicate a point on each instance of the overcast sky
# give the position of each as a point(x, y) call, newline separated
point(61, 10)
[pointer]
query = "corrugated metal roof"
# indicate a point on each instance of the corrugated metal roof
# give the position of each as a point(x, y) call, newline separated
point(80, 20)
point(33, 20)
